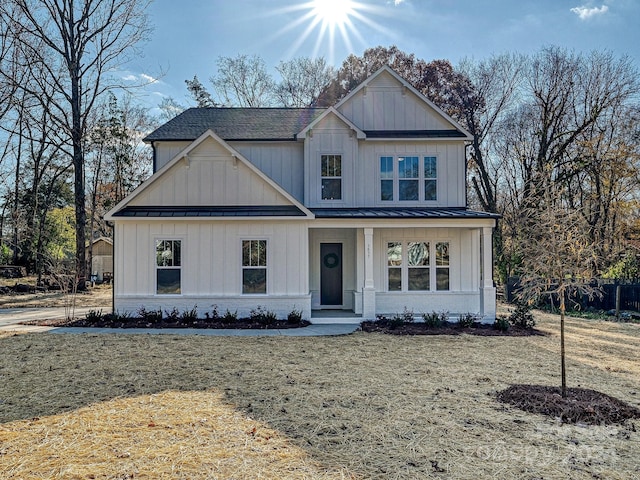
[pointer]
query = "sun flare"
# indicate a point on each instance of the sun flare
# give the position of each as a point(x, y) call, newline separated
point(332, 12)
point(327, 23)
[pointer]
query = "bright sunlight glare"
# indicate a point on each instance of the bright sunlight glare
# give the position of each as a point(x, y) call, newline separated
point(333, 12)
point(326, 22)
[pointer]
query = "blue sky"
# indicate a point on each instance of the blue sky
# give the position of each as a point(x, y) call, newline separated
point(190, 35)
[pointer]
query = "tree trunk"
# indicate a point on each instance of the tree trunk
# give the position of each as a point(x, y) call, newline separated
point(78, 167)
point(563, 372)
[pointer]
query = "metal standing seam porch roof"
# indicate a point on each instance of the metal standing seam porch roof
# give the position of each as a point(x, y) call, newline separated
point(293, 211)
point(400, 212)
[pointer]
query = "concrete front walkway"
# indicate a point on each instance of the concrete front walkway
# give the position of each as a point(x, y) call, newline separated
point(10, 319)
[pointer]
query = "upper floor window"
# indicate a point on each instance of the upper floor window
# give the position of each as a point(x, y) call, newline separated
point(408, 179)
point(168, 267)
point(331, 177)
point(430, 178)
point(254, 266)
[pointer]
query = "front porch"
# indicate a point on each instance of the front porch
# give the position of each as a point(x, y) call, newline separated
point(356, 263)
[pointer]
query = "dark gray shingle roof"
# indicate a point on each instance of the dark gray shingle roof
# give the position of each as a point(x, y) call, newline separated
point(237, 123)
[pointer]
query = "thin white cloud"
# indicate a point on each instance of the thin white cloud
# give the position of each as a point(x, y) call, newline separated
point(585, 13)
point(140, 78)
point(148, 78)
point(397, 2)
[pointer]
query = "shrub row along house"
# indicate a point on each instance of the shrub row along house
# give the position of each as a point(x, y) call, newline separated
point(359, 207)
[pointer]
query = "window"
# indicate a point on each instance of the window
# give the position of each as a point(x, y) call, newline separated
point(401, 178)
point(418, 265)
point(394, 266)
point(430, 179)
point(442, 266)
point(254, 266)
point(168, 267)
point(386, 178)
point(331, 175)
point(409, 266)
point(408, 186)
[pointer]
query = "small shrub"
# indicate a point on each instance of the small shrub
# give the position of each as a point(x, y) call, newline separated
point(522, 317)
point(467, 320)
point(501, 323)
point(229, 317)
point(294, 317)
point(172, 315)
point(407, 315)
point(435, 319)
point(262, 316)
point(396, 321)
point(214, 315)
point(94, 316)
point(190, 316)
point(118, 317)
point(150, 316)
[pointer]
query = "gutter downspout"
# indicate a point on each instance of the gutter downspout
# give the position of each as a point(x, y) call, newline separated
point(113, 259)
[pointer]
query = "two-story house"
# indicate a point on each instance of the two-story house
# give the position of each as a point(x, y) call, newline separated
point(360, 207)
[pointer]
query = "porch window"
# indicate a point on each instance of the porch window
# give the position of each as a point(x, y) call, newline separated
point(394, 266)
point(254, 266)
point(411, 266)
point(331, 177)
point(168, 267)
point(418, 265)
point(408, 178)
point(442, 266)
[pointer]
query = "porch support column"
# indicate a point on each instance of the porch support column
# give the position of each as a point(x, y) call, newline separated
point(487, 290)
point(368, 292)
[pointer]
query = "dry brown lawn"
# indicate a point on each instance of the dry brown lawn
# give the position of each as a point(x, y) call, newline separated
point(98, 296)
point(358, 406)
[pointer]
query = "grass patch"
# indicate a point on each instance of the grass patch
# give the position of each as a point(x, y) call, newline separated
point(359, 406)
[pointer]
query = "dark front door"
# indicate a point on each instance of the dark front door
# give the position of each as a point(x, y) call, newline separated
point(331, 274)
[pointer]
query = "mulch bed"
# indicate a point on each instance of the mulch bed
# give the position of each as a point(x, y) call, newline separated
point(106, 322)
point(581, 405)
point(449, 328)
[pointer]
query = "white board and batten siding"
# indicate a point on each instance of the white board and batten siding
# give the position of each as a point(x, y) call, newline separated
point(211, 269)
point(450, 171)
point(282, 162)
point(331, 136)
point(210, 176)
point(462, 296)
point(384, 104)
point(165, 151)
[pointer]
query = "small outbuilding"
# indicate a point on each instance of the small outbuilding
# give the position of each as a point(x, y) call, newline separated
point(101, 260)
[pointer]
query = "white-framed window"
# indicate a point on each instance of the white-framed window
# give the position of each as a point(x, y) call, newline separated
point(410, 266)
point(408, 178)
point(254, 266)
point(168, 267)
point(442, 266)
point(331, 177)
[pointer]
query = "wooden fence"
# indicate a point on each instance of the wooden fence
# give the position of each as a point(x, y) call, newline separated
point(629, 295)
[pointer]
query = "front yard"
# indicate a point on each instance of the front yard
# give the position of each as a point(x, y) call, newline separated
point(359, 406)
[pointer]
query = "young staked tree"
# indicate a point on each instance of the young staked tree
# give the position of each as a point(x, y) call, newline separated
point(76, 45)
point(557, 256)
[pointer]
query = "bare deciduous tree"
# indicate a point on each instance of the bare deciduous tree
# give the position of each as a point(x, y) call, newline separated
point(243, 81)
point(303, 80)
point(557, 256)
point(75, 46)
